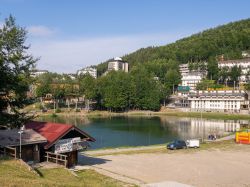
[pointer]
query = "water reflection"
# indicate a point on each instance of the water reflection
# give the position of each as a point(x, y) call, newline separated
point(200, 128)
point(135, 131)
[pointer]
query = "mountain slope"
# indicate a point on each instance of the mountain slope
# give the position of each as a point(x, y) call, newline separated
point(229, 39)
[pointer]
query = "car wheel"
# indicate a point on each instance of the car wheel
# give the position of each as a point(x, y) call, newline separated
point(174, 148)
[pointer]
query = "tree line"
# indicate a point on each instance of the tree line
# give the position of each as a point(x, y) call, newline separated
point(117, 91)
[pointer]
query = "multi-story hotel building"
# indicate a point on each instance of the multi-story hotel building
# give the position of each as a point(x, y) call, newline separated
point(91, 71)
point(243, 63)
point(224, 101)
point(191, 78)
point(118, 64)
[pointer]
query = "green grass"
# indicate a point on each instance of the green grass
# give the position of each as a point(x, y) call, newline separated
point(222, 145)
point(12, 173)
point(207, 115)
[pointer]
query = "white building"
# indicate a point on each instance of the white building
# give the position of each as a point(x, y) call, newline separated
point(36, 72)
point(191, 80)
point(72, 76)
point(243, 63)
point(191, 77)
point(184, 70)
point(91, 71)
point(118, 64)
point(224, 101)
point(245, 54)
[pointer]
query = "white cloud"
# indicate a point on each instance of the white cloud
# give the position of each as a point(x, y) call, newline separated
point(40, 30)
point(71, 55)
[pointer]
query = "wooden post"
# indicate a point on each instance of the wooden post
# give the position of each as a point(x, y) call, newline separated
point(15, 153)
point(47, 157)
point(56, 158)
point(4, 151)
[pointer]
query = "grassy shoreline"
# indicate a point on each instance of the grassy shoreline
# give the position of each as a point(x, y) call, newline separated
point(161, 148)
point(171, 112)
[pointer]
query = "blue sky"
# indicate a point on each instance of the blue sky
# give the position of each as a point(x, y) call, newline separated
point(69, 35)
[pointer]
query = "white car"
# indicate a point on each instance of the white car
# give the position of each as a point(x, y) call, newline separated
point(194, 143)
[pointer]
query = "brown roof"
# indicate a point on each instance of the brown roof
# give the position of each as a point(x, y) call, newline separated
point(235, 61)
point(12, 137)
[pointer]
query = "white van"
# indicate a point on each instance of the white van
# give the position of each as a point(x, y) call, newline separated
point(194, 143)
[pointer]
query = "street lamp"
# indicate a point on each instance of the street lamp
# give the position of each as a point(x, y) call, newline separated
point(21, 131)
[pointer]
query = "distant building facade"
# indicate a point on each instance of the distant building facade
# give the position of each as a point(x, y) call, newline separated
point(191, 78)
point(221, 101)
point(36, 72)
point(243, 63)
point(91, 71)
point(72, 76)
point(245, 54)
point(118, 64)
point(184, 70)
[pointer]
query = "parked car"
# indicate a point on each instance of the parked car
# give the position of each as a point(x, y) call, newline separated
point(177, 144)
point(194, 143)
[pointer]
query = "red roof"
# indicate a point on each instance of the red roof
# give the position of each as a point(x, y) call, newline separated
point(54, 131)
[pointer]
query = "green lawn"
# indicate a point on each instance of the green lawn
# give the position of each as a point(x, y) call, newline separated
point(12, 173)
point(221, 145)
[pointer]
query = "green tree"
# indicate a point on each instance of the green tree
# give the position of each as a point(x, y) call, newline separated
point(213, 70)
point(172, 77)
point(205, 84)
point(147, 92)
point(235, 73)
point(116, 90)
point(88, 86)
point(15, 65)
point(42, 90)
point(223, 74)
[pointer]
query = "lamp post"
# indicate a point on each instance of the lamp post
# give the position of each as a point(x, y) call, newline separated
point(21, 132)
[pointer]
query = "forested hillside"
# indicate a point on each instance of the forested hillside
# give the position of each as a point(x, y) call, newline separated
point(229, 39)
point(154, 71)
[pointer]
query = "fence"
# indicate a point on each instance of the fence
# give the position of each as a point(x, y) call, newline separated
point(56, 158)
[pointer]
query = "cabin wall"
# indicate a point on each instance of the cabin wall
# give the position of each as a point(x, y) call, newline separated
point(29, 152)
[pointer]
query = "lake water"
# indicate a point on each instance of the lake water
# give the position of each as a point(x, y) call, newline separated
point(138, 131)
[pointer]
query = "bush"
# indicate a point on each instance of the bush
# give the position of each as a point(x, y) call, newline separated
point(58, 110)
point(78, 110)
point(53, 115)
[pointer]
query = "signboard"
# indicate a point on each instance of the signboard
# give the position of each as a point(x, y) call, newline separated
point(66, 145)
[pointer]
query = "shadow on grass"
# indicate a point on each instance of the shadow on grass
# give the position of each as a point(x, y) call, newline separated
point(38, 172)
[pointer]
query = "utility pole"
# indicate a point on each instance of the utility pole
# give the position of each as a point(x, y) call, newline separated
point(54, 105)
point(21, 131)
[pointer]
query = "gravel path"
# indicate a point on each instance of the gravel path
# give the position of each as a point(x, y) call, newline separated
point(227, 168)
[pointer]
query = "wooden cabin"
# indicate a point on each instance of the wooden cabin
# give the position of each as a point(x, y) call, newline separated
point(31, 144)
point(63, 142)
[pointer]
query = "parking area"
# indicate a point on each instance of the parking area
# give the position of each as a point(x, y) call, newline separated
point(214, 167)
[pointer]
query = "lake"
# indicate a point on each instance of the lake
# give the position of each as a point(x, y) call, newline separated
point(142, 131)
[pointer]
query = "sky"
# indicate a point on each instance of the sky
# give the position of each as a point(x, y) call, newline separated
point(70, 35)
